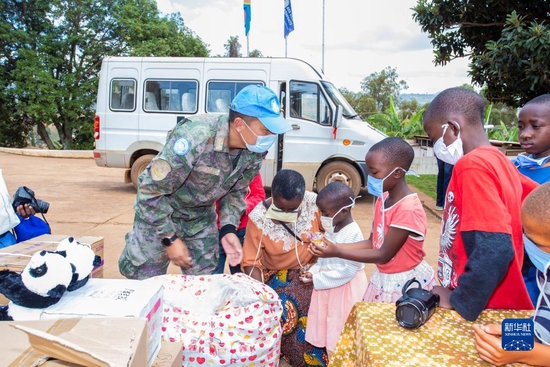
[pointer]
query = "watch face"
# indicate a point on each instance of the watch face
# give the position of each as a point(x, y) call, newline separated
point(166, 241)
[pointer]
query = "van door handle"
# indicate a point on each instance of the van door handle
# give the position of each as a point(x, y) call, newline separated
point(295, 127)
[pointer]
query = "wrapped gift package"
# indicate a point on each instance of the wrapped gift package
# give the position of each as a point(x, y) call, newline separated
point(222, 320)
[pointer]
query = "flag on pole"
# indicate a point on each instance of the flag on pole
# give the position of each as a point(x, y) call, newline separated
point(289, 22)
point(247, 16)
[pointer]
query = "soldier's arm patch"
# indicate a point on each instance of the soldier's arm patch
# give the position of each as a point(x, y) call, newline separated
point(182, 146)
point(160, 169)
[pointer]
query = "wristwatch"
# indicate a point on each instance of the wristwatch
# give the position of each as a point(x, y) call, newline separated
point(167, 241)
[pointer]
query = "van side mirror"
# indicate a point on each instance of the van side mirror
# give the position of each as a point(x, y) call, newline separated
point(337, 117)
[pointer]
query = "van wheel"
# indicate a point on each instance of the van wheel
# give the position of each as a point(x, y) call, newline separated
point(139, 165)
point(339, 171)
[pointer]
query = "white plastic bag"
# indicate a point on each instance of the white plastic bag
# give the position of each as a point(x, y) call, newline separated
point(223, 320)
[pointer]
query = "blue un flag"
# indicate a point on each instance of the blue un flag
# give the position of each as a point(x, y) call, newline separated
point(289, 22)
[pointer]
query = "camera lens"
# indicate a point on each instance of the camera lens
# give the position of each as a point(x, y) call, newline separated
point(42, 206)
point(408, 314)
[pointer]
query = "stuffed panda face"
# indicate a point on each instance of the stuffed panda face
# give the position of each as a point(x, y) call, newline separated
point(80, 255)
point(45, 271)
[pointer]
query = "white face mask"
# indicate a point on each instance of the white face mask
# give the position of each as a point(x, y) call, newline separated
point(327, 222)
point(277, 214)
point(449, 153)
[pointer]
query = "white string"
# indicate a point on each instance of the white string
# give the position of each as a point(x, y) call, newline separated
point(260, 246)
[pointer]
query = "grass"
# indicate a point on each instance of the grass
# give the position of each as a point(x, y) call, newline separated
point(425, 183)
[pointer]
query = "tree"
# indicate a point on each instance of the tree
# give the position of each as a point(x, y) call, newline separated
point(363, 104)
point(382, 85)
point(52, 52)
point(233, 47)
point(256, 53)
point(409, 107)
point(506, 41)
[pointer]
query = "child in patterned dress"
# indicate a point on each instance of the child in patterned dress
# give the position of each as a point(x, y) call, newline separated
point(399, 226)
point(338, 284)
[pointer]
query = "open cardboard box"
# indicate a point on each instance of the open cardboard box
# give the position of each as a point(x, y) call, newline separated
point(82, 341)
point(16, 257)
point(123, 298)
point(74, 342)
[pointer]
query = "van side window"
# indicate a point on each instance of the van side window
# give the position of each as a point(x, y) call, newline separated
point(122, 95)
point(308, 103)
point(220, 94)
point(170, 96)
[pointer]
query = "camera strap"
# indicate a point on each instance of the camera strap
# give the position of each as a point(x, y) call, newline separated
point(408, 284)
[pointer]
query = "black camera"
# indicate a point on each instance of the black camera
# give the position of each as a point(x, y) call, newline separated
point(415, 306)
point(24, 195)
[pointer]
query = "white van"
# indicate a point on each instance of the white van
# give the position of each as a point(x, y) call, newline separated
point(141, 98)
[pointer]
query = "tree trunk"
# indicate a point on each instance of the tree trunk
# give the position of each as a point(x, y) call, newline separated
point(41, 129)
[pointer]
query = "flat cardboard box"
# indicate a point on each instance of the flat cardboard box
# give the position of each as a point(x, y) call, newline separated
point(9, 259)
point(75, 342)
point(115, 298)
point(170, 355)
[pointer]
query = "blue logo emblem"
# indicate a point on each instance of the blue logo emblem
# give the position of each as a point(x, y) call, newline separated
point(518, 334)
point(182, 146)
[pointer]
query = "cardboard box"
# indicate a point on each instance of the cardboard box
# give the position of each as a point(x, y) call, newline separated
point(170, 355)
point(75, 342)
point(115, 298)
point(10, 260)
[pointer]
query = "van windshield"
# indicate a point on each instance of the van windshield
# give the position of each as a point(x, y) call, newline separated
point(339, 99)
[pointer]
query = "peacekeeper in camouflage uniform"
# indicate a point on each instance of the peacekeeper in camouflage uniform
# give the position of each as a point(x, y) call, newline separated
point(206, 158)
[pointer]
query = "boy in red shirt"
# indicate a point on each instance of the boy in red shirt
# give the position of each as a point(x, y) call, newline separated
point(481, 251)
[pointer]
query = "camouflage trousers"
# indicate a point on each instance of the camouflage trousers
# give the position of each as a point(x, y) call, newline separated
point(144, 256)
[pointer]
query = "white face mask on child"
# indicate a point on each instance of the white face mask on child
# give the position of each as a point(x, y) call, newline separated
point(327, 222)
point(449, 153)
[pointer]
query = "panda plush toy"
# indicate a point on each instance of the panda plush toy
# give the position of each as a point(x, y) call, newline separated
point(82, 257)
point(42, 283)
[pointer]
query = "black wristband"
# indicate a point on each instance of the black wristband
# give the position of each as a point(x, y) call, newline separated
point(228, 228)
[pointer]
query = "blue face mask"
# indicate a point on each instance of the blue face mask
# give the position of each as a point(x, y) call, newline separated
point(525, 161)
point(539, 258)
point(263, 143)
point(375, 186)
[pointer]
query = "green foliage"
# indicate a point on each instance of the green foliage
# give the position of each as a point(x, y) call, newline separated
point(255, 53)
point(394, 124)
point(502, 133)
point(52, 52)
point(233, 47)
point(507, 43)
point(362, 103)
point(382, 85)
point(425, 183)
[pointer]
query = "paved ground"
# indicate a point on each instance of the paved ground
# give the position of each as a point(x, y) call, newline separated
point(90, 200)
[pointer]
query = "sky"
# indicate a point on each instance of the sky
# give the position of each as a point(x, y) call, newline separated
point(361, 37)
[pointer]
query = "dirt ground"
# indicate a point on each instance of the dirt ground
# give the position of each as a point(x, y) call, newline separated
point(89, 200)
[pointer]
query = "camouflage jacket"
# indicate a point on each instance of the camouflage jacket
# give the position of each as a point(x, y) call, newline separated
point(192, 172)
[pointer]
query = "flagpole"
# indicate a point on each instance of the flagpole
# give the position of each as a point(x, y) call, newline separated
point(247, 46)
point(323, 47)
point(286, 47)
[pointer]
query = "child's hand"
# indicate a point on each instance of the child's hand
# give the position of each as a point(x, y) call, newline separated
point(444, 296)
point(306, 277)
point(488, 345)
point(330, 249)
